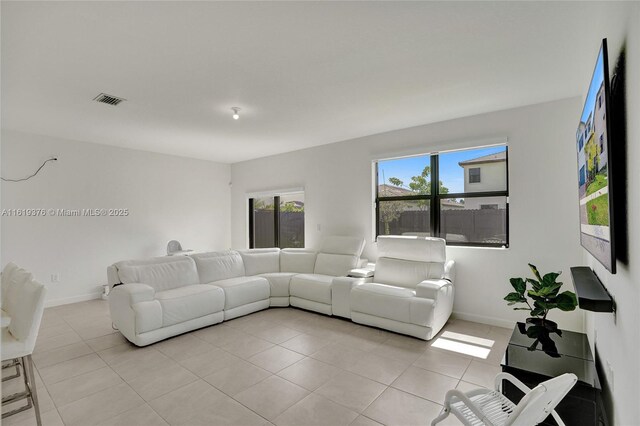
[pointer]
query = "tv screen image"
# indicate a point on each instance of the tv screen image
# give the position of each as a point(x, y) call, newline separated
point(593, 147)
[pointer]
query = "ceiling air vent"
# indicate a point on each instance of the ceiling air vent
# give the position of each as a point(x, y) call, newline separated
point(108, 99)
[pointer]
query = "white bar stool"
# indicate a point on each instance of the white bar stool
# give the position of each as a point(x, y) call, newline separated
point(19, 340)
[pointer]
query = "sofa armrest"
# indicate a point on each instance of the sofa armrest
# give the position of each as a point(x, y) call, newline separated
point(112, 276)
point(360, 273)
point(134, 310)
point(450, 271)
point(429, 289)
point(341, 295)
point(133, 293)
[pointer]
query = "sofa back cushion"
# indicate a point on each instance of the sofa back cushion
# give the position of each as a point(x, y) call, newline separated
point(406, 273)
point(419, 249)
point(406, 261)
point(300, 261)
point(336, 265)
point(351, 246)
point(260, 261)
point(219, 265)
point(161, 273)
point(338, 255)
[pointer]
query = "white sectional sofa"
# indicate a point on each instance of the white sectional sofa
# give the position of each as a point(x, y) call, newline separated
point(153, 299)
point(411, 291)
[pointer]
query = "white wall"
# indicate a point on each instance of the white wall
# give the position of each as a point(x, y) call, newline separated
point(543, 185)
point(617, 340)
point(168, 198)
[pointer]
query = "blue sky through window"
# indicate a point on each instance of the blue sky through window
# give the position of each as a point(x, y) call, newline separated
point(451, 174)
point(596, 81)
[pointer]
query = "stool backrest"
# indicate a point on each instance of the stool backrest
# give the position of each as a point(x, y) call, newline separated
point(7, 276)
point(27, 313)
point(12, 279)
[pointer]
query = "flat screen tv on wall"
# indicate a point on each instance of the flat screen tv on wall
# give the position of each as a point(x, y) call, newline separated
point(593, 144)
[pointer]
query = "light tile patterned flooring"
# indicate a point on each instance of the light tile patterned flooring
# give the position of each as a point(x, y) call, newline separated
point(281, 366)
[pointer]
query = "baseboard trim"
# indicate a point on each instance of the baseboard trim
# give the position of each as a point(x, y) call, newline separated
point(74, 299)
point(498, 322)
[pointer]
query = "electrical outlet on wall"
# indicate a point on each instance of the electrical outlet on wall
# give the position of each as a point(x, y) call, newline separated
point(55, 277)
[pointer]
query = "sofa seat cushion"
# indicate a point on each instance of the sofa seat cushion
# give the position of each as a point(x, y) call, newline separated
point(314, 287)
point(279, 282)
point(243, 290)
point(391, 302)
point(189, 302)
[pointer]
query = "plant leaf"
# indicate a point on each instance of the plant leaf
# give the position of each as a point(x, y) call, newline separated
point(514, 297)
point(550, 278)
point(537, 312)
point(549, 290)
point(535, 295)
point(553, 289)
point(519, 285)
point(535, 284)
point(540, 304)
point(535, 271)
point(566, 301)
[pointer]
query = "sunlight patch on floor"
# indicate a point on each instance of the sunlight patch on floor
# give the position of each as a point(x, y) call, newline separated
point(464, 344)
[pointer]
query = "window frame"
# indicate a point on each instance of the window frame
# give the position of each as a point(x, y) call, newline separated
point(435, 198)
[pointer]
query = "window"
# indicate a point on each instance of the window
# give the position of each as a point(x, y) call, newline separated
point(602, 142)
point(443, 195)
point(277, 221)
point(474, 175)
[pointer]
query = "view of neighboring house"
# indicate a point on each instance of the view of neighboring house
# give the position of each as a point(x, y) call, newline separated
point(482, 174)
point(600, 129)
point(591, 139)
point(581, 136)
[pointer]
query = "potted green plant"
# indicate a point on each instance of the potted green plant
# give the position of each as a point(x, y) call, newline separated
point(545, 295)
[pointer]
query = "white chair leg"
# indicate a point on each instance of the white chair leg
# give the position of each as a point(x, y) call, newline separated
point(28, 367)
point(443, 415)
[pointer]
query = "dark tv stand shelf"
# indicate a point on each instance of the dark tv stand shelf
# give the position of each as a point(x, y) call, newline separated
point(592, 295)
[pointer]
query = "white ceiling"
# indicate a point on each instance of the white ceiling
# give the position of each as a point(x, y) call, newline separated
point(304, 73)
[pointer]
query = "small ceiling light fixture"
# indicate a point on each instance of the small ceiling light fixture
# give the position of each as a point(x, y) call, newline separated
point(235, 113)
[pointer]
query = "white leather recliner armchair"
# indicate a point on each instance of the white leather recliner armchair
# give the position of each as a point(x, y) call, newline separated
point(412, 289)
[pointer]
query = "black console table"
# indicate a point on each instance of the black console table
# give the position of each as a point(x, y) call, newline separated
point(562, 352)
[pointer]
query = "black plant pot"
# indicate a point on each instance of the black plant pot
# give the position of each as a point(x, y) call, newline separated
point(547, 324)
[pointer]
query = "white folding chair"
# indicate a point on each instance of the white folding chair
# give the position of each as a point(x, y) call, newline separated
point(491, 408)
point(19, 340)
